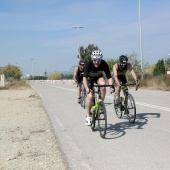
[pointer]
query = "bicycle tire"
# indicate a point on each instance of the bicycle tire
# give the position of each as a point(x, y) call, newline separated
point(93, 121)
point(84, 102)
point(83, 97)
point(130, 108)
point(102, 120)
point(118, 111)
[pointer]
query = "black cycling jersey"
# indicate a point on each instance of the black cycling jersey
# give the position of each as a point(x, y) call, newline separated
point(121, 71)
point(80, 72)
point(79, 76)
point(90, 71)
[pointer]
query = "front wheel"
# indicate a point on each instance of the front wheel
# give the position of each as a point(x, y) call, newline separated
point(118, 109)
point(130, 108)
point(83, 98)
point(93, 117)
point(102, 120)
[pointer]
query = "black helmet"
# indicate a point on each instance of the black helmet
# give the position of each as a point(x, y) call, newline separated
point(81, 62)
point(123, 59)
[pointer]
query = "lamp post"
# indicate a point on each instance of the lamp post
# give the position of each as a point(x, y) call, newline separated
point(141, 51)
point(78, 39)
point(32, 68)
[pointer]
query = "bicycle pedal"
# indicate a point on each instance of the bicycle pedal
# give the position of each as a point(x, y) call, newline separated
point(122, 108)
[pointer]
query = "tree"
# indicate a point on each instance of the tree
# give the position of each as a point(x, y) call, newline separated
point(167, 63)
point(86, 52)
point(54, 76)
point(159, 68)
point(110, 63)
point(132, 58)
point(11, 72)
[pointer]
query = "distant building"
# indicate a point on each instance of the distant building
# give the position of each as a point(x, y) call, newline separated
point(168, 71)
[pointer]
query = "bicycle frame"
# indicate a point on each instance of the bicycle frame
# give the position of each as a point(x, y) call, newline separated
point(99, 112)
point(127, 104)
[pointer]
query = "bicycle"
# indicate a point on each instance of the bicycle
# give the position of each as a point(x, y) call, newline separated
point(127, 103)
point(98, 111)
point(83, 96)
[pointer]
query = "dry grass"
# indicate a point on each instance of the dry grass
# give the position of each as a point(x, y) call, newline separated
point(17, 85)
point(157, 83)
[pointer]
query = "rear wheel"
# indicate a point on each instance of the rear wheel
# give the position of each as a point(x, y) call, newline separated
point(102, 120)
point(130, 108)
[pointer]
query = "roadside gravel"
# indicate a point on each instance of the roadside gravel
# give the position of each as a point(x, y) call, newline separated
point(27, 140)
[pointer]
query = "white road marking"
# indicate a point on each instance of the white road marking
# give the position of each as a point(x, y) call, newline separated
point(138, 103)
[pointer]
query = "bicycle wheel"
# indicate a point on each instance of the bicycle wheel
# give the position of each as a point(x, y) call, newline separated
point(130, 108)
point(83, 97)
point(118, 109)
point(84, 102)
point(93, 121)
point(102, 119)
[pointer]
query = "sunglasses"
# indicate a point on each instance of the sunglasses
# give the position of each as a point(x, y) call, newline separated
point(96, 60)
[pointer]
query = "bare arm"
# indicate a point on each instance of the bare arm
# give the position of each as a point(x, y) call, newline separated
point(85, 83)
point(132, 72)
point(75, 74)
point(115, 67)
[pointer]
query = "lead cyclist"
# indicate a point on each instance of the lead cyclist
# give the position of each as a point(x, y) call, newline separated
point(93, 73)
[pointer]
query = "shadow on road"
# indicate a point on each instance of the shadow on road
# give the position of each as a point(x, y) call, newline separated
point(119, 129)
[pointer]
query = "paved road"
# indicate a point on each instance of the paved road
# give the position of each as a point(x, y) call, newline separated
point(144, 145)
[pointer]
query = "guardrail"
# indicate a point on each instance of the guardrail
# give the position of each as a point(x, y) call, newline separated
point(54, 81)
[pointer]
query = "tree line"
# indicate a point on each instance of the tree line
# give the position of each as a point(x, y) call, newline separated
point(13, 72)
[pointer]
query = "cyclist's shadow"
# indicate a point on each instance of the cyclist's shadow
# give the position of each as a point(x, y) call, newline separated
point(119, 129)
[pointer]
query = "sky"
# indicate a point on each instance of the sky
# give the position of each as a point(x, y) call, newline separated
point(38, 35)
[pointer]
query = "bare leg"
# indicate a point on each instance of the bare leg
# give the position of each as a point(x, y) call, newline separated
point(102, 81)
point(89, 103)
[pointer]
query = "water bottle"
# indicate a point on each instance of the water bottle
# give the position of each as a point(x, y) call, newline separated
point(122, 100)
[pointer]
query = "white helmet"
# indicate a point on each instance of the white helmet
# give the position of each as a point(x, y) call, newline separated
point(97, 54)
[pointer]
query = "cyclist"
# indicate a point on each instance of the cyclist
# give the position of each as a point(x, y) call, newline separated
point(94, 70)
point(119, 72)
point(78, 77)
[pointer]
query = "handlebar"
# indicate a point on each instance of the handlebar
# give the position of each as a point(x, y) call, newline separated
point(125, 85)
point(99, 85)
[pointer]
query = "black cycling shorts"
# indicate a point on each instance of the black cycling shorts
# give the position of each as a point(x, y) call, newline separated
point(122, 79)
point(91, 81)
point(79, 79)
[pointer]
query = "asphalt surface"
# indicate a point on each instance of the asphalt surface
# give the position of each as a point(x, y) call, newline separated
point(143, 145)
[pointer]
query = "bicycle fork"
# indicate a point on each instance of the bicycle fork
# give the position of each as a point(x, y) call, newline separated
point(95, 108)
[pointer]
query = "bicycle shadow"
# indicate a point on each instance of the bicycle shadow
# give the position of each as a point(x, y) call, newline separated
point(106, 104)
point(119, 129)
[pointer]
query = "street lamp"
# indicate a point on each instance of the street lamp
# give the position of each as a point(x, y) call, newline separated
point(141, 51)
point(32, 68)
point(78, 39)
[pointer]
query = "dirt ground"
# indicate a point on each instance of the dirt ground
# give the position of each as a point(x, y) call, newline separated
point(27, 141)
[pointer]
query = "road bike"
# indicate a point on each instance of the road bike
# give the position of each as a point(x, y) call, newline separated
point(98, 111)
point(126, 106)
point(83, 96)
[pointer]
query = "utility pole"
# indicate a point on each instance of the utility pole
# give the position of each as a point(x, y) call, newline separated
point(79, 55)
point(141, 51)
